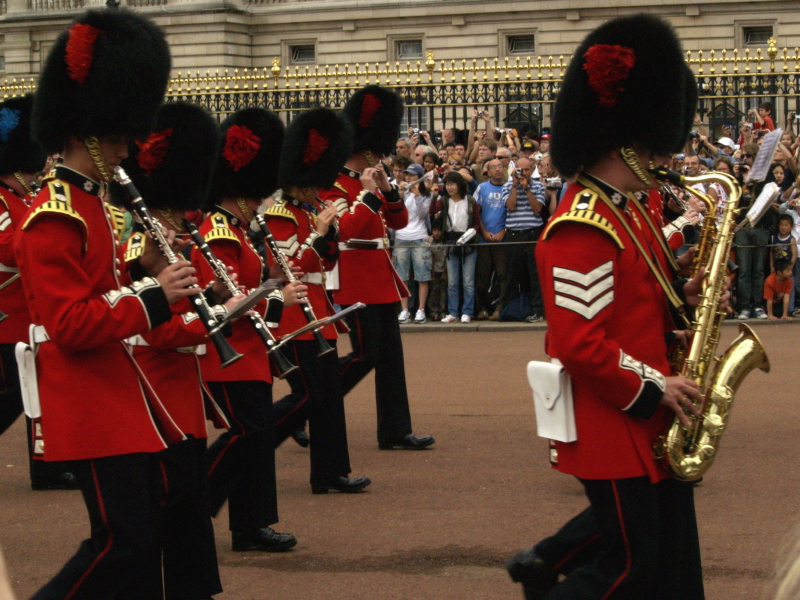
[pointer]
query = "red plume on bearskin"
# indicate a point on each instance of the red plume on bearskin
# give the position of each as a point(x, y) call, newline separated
point(80, 50)
point(608, 66)
point(368, 109)
point(241, 146)
point(153, 151)
point(317, 144)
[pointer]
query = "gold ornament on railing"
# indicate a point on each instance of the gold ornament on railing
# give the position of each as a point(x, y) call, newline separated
point(772, 51)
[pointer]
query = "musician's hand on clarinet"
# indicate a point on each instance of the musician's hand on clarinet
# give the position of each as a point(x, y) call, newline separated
point(678, 396)
point(295, 292)
point(220, 289)
point(382, 179)
point(325, 219)
point(175, 280)
point(368, 181)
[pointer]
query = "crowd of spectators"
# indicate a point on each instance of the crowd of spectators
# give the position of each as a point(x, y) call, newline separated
point(478, 200)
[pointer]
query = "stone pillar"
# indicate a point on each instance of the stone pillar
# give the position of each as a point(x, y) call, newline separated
point(17, 51)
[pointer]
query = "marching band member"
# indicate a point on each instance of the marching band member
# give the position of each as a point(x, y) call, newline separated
point(241, 462)
point(366, 205)
point(100, 87)
point(608, 297)
point(314, 149)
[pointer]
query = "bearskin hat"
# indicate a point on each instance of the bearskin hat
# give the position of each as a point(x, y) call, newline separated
point(18, 151)
point(375, 114)
point(172, 168)
point(316, 145)
point(247, 155)
point(106, 75)
point(627, 83)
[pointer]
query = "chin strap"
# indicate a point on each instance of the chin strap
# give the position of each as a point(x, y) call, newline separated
point(24, 183)
point(246, 212)
point(634, 164)
point(93, 146)
point(169, 218)
point(370, 159)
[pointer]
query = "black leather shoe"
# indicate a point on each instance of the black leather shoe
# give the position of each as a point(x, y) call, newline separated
point(64, 481)
point(410, 442)
point(300, 436)
point(341, 484)
point(263, 540)
point(532, 572)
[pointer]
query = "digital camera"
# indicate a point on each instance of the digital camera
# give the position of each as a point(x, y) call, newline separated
point(553, 183)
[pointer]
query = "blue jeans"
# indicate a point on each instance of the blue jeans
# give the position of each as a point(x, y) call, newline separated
point(750, 282)
point(461, 276)
point(412, 253)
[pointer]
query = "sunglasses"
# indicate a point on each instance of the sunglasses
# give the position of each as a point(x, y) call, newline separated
point(453, 163)
point(747, 156)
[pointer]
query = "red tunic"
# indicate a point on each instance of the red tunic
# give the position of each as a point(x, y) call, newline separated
point(95, 400)
point(292, 227)
point(14, 328)
point(227, 237)
point(606, 317)
point(366, 276)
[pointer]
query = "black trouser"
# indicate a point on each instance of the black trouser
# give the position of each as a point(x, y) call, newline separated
point(241, 462)
point(575, 545)
point(316, 396)
point(648, 546)
point(122, 558)
point(375, 337)
point(42, 473)
point(492, 257)
point(521, 261)
point(190, 554)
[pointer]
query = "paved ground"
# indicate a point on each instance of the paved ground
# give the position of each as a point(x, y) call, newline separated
point(438, 524)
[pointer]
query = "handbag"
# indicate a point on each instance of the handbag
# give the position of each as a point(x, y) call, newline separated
point(552, 400)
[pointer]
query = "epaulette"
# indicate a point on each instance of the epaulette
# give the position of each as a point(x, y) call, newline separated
point(135, 246)
point(279, 210)
point(119, 219)
point(60, 203)
point(582, 211)
point(220, 229)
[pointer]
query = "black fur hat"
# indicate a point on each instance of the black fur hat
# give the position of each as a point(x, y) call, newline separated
point(105, 76)
point(375, 114)
point(316, 146)
point(248, 153)
point(627, 82)
point(173, 167)
point(18, 151)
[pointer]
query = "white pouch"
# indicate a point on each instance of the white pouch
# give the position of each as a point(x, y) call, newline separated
point(552, 399)
point(26, 361)
point(332, 278)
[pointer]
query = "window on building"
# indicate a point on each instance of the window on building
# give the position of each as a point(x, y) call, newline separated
point(302, 54)
point(521, 44)
point(408, 49)
point(2, 62)
point(756, 35)
point(414, 116)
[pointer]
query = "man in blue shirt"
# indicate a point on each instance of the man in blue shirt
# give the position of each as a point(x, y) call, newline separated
point(524, 198)
point(492, 256)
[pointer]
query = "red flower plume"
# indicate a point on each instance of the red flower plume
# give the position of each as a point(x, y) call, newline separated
point(369, 107)
point(80, 47)
point(608, 66)
point(153, 151)
point(317, 144)
point(241, 146)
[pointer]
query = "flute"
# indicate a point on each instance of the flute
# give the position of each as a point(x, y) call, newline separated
point(285, 366)
point(323, 346)
point(227, 355)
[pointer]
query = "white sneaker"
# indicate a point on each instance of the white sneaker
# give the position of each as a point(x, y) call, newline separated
point(744, 315)
point(420, 316)
point(404, 316)
point(466, 318)
point(760, 314)
point(449, 319)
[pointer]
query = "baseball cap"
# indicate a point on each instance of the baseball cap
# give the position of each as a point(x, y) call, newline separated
point(415, 169)
point(727, 142)
point(546, 136)
point(528, 145)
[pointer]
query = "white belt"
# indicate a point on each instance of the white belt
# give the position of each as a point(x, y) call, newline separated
point(39, 335)
point(138, 340)
point(312, 278)
point(382, 243)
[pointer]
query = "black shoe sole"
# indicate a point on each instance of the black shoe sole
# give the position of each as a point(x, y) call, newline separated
point(399, 446)
point(352, 489)
point(535, 584)
point(261, 548)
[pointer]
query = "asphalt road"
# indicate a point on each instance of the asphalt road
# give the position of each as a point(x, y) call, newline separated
point(438, 524)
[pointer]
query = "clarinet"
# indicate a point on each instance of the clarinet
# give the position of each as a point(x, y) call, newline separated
point(227, 354)
point(285, 366)
point(323, 346)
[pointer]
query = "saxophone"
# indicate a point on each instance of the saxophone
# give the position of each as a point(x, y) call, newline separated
point(688, 452)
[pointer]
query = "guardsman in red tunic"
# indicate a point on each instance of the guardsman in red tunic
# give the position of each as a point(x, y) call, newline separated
point(184, 140)
point(367, 204)
point(21, 160)
point(241, 462)
point(315, 147)
point(100, 87)
point(608, 297)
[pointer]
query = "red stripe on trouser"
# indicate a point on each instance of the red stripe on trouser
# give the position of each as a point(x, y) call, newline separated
point(233, 438)
point(165, 481)
point(627, 570)
point(574, 552)
point(360, 345)
point(110, 535)
point(305, 384)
